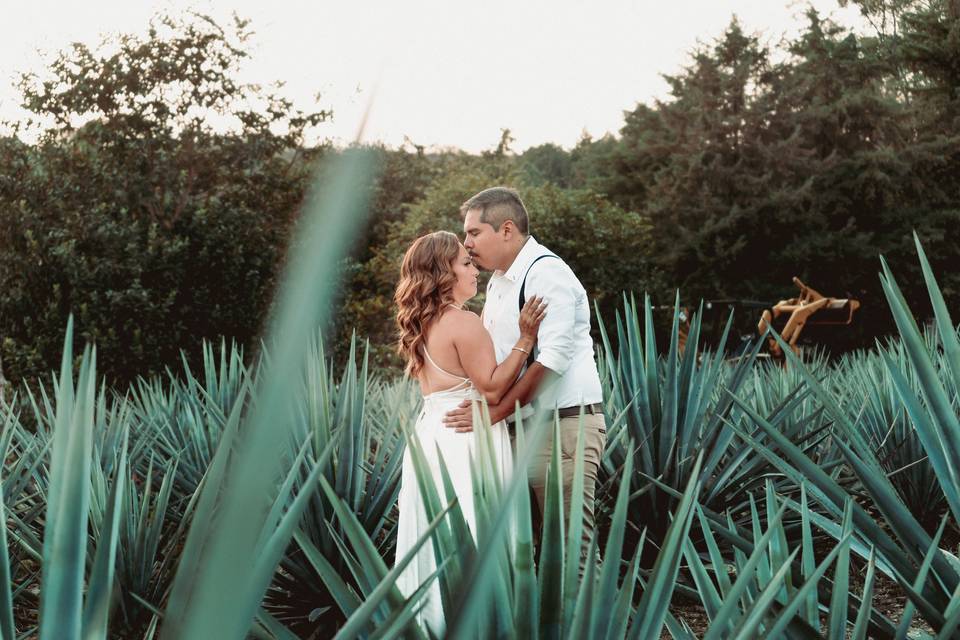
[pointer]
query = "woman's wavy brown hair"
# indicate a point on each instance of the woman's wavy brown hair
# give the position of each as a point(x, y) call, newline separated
point(425, 288)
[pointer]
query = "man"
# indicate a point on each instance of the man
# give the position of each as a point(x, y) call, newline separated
point(563, 375)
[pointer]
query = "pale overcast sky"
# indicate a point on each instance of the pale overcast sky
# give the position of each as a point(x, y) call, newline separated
point(447, 73)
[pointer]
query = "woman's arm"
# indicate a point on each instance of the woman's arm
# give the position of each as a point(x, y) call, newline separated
point(475, 350)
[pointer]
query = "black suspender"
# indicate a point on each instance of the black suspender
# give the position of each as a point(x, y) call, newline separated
point(523, 286)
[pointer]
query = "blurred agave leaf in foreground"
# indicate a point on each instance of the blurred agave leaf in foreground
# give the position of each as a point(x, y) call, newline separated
point(239, 533)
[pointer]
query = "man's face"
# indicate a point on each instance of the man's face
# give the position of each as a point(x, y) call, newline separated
point(481, 241)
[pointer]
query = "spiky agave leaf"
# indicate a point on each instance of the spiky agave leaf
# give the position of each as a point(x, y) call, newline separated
point(100, 587)
point(7, 628)
point(362, 409)
point(673, 407)
point(216, 594)
point(65, 528)
point(652, 609)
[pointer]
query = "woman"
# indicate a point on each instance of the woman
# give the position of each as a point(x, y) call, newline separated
point(450, 353)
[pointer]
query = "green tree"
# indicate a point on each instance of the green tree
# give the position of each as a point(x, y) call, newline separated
point(876, 171)
point(546, 163)
point(696, 167)
point(606, 246)
point(154, 204)
point(755, 171)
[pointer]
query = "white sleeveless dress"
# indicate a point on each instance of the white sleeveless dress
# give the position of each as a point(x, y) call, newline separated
point(457, 449)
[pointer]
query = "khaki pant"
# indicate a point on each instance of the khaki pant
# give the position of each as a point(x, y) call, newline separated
point(594, 440)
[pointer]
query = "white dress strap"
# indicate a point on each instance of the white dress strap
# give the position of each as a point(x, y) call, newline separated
point(441, 369)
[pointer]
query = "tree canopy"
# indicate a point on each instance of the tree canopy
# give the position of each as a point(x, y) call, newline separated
point(151, 193)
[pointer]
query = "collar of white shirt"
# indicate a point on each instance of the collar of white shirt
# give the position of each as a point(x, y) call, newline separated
point(528, 253)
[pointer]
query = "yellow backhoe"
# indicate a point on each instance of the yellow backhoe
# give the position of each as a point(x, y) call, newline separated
point(789, 317)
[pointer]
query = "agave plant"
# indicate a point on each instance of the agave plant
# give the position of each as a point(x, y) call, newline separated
point(904, 550)
point(67, 610)
point(248, 507)
point(183, 417)
point(878, 411)
point(673, 405)
point(489, 584)
point(766, 590)
point(362, 417)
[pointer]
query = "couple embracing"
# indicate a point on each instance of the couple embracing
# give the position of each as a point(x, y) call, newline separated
point(530, 346)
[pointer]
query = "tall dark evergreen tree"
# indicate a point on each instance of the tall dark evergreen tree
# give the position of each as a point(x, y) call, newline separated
point(813, 166)
point(696, 166)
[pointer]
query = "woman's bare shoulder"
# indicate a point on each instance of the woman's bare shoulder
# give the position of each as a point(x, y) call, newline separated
point(467, 315)
point(460, 320)
point(453, 327)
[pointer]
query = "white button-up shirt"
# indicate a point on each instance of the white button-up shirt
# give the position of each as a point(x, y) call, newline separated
point(564, 344)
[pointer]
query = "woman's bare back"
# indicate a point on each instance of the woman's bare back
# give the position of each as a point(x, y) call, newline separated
point(461, 349)
point(445, 371)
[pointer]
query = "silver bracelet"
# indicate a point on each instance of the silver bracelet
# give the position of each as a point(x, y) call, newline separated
point(521, 349)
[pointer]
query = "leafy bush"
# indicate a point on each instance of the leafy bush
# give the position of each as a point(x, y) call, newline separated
point(133, 211)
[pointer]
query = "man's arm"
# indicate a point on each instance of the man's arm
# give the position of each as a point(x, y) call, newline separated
point(537, 376)
point(555, 341)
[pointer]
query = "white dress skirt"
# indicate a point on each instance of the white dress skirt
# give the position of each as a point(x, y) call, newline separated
point(457, 450)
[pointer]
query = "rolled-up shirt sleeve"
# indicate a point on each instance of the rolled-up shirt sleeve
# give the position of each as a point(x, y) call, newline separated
point(555, 340)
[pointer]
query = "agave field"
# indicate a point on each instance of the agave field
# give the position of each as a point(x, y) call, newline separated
point(258, 499)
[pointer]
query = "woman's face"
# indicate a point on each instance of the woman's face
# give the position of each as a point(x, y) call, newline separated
point(466, 285)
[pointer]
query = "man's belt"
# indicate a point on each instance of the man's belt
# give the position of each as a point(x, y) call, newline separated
point(574, 412)
point(568, 412)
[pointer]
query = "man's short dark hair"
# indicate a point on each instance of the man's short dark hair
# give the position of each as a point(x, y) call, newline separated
point(497, 205)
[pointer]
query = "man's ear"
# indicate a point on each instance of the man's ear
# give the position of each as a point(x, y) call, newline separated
point(508, 229)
